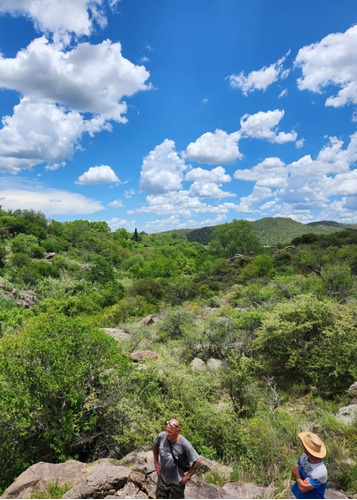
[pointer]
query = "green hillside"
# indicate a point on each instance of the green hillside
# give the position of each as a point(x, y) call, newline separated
point(271, 230)
point(274, 335)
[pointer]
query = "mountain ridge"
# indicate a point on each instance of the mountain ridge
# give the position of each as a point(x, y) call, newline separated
point(270, 230)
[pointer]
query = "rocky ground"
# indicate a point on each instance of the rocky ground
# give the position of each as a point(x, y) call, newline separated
point(133, 476)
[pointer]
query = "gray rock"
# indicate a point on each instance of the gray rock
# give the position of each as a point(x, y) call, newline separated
point(196, 488)
point(141, 355)
point(117, 334)
point(197, 364)
point(148, 320)
point(102, 477)
point(212, 466)
point(213, 364)
point(329, 493)
point(347, 414)
point(37, 478)
point(352, 392)
point(249, 490)
point(142, 460)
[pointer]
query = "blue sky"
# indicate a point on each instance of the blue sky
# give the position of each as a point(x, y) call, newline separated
point(164, 114)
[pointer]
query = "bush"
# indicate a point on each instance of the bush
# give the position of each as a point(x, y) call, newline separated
point(175, 323)
point(53, 392)
point(310, 341)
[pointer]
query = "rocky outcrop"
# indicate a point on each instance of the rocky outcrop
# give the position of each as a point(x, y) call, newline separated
point(352, 393)
point(148, 320)
point(117, 334)
point(348, 414)
point(133, 476)
point(141, 355)
point(24, 298)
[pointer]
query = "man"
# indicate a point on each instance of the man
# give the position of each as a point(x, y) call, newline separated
point(310, 472)
point(172, 457)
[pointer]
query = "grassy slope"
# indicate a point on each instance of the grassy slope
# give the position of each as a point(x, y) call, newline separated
point(272, 230)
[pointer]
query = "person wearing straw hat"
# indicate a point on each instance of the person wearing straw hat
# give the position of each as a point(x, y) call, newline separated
point(310, 472)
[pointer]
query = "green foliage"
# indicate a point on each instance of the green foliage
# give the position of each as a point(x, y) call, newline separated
point(311, 341)
point(101, 271)
point(23, 242)
point(53, 490)
point(147, 288)
point(66, 390)
point(338, 281)
point(234, 237)
point(50, 374)
point(237, 380)
point(128, 309)
point(2, 256)
point(175, 323)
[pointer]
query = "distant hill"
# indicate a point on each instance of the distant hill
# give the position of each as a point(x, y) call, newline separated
point(271, 230)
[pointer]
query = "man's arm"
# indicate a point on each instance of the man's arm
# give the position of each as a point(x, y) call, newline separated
point(155, 450)
point(191, 471)
point(304, 485)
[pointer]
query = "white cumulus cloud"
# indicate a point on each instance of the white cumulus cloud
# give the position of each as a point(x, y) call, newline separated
point(217, 175)
point(208, 190)
point(213, 148)
point(115, 204)
point(103, 174)
point(332, 61)
point(269, 173)
point(259, 79)
point(60, 17)
point(38, 132)
point(162, 169)
point(87, 78)
point(263, 125)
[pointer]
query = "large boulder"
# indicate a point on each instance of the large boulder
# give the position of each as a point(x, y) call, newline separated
point(38, 477)
point(102, 479)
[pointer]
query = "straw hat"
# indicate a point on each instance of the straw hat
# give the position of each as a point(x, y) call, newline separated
point(313, 444)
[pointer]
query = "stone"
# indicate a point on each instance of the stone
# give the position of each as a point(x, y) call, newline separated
point(347, 414)
point(248, 490)
point(197, 364)
point(117, 334)
point(102, 477)
point(141, 355)
point(352, 392)
point(330, 493)
point(196, 488)
point(214, 364)
point(148, 320)
point(37, 478)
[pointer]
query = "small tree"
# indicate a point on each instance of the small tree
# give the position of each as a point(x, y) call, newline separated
point(234, 237)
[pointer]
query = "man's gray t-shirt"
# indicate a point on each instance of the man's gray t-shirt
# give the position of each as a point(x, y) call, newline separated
point(183, 451)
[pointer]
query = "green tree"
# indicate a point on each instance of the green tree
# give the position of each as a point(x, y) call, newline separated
point(310, 341)
point(234, 237)
point(55, 391)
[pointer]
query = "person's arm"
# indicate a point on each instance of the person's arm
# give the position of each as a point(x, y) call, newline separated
point(304, 485)
point(191, 471)
point(155, 450)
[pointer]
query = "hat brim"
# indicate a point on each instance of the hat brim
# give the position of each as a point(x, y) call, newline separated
point(320, 454)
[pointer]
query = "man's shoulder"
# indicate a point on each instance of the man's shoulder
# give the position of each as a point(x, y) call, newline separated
point(185, 442)
point(320, 472)
point(160, 437)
